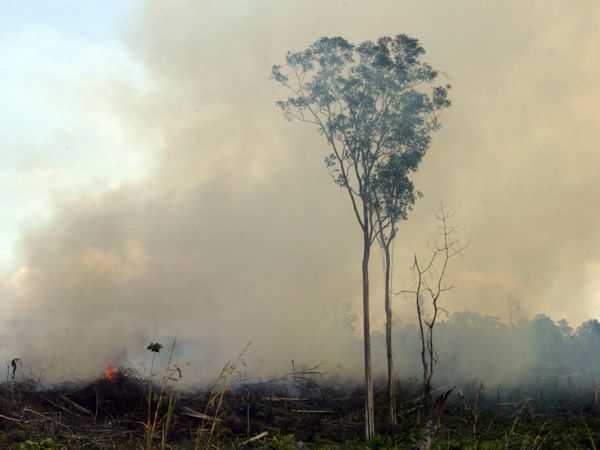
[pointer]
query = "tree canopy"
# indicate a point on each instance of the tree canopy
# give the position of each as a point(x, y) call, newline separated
point(364, 100)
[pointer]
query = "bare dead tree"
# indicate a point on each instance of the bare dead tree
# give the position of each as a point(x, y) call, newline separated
point(431, 282)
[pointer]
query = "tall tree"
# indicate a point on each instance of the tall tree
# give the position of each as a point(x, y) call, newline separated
point(364, 100)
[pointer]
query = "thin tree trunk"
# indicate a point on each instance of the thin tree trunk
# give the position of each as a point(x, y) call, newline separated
point(427, 397)
point(388, 336)
point(498, 403)
point(369, 410)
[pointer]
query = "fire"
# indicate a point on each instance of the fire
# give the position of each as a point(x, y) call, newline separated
point(110, 374)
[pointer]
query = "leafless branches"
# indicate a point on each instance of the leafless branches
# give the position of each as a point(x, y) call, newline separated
point(431, 281)
point(302, 381)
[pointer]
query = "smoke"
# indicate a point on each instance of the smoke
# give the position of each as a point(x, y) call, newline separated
point(237, 233)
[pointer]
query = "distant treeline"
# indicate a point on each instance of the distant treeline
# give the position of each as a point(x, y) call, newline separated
point(470, 346)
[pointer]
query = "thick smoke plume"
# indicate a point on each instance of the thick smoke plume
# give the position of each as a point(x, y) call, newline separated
point(238, 234)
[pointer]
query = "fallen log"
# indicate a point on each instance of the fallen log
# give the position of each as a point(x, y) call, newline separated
point(11, 419)
point(320, 411)
point(432, 423)
point(76, 406)
point(261, 435)
point(515, 404)
point(196, 415)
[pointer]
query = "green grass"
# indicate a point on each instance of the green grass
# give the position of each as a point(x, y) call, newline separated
point(569, 433)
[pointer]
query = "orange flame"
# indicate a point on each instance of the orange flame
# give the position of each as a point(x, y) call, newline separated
point(110, 374)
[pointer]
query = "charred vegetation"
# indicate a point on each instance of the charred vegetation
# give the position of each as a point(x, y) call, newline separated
point(301, 409)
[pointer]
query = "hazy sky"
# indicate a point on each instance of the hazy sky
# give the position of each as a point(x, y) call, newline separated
point(151, 187)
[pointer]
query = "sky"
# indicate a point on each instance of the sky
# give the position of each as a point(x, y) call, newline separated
point(151, 187)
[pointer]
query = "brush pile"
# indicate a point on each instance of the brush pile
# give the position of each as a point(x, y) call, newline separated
point(118, 413)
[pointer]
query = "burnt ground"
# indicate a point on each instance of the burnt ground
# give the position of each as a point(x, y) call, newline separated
point(105, 414)
point(115, 414)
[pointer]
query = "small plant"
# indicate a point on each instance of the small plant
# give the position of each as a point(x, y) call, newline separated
point(285, 443)
point(154, 348)
point(155, 420)
point(47, 443)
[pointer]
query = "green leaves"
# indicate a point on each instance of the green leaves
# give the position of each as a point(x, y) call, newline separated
point(440, 97)
point(364, 97)
point(369, 102)
point(154, 348)
point(276, 72)
point(47, 443)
